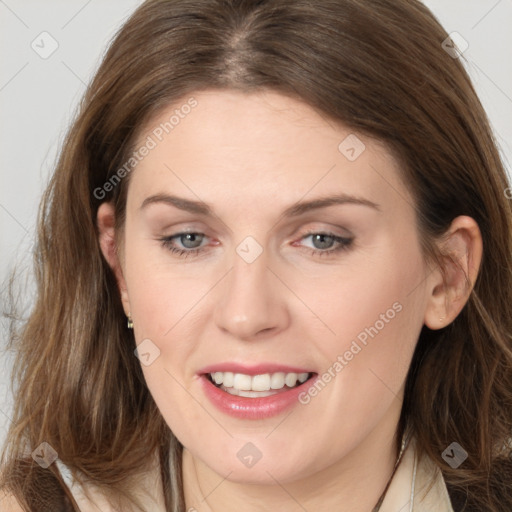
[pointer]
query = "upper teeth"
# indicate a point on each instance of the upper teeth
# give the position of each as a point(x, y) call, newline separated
point(262, 382)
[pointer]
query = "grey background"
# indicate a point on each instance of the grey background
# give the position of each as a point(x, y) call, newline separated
point(39, 95)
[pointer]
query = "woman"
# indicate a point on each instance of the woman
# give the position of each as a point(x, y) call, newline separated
point(274, 268)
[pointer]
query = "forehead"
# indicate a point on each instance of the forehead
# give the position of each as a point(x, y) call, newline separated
point(256, 147)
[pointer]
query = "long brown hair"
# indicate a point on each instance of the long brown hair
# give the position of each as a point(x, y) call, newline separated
point(379, 67)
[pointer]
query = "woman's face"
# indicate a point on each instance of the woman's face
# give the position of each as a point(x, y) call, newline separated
point(269, 288)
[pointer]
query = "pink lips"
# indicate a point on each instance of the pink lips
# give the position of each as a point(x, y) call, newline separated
point(252, 408)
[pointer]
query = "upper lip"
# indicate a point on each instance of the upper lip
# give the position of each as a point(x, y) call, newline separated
point(257, 369)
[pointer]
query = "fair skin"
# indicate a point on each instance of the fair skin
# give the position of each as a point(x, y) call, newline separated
point(250, 157)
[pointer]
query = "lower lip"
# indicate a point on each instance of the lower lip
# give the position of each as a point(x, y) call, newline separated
point(253, 408)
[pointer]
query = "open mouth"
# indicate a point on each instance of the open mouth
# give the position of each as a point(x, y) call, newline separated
point(257, 386)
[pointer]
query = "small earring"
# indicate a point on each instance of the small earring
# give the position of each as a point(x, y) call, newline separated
point(130, 322)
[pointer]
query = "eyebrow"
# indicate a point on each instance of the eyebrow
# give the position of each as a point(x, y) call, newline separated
point(299, 208)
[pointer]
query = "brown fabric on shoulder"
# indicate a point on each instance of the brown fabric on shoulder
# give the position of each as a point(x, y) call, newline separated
point(46, 492)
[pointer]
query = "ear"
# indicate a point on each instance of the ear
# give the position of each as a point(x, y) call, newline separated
point(106, 227)
point(450, 286)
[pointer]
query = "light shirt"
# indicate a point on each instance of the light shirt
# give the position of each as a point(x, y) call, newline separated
point(416, 487)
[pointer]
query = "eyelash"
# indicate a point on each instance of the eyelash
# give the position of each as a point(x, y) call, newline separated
point(345, 244)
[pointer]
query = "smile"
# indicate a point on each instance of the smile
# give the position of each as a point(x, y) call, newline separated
point(253, 394)
point(266, 384)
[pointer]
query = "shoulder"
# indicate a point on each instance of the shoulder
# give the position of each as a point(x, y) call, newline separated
point(8, 503)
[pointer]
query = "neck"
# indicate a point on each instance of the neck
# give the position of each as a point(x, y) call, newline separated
point(354, 483)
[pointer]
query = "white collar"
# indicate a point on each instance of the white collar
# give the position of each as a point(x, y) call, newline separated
point(416, 486)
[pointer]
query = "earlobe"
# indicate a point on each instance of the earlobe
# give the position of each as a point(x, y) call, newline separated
point(106, 232)
point(451, 285)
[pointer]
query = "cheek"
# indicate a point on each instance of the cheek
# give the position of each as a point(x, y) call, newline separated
point(181, 410)
point(369, 299)
point(165, 304)
point(365, 363)
point(162, 293)
point(372, 318)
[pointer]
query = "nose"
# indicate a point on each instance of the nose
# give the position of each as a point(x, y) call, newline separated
point(252, 301)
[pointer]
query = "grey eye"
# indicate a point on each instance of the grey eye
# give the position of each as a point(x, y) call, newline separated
point(324, 241)
point(189, 239)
